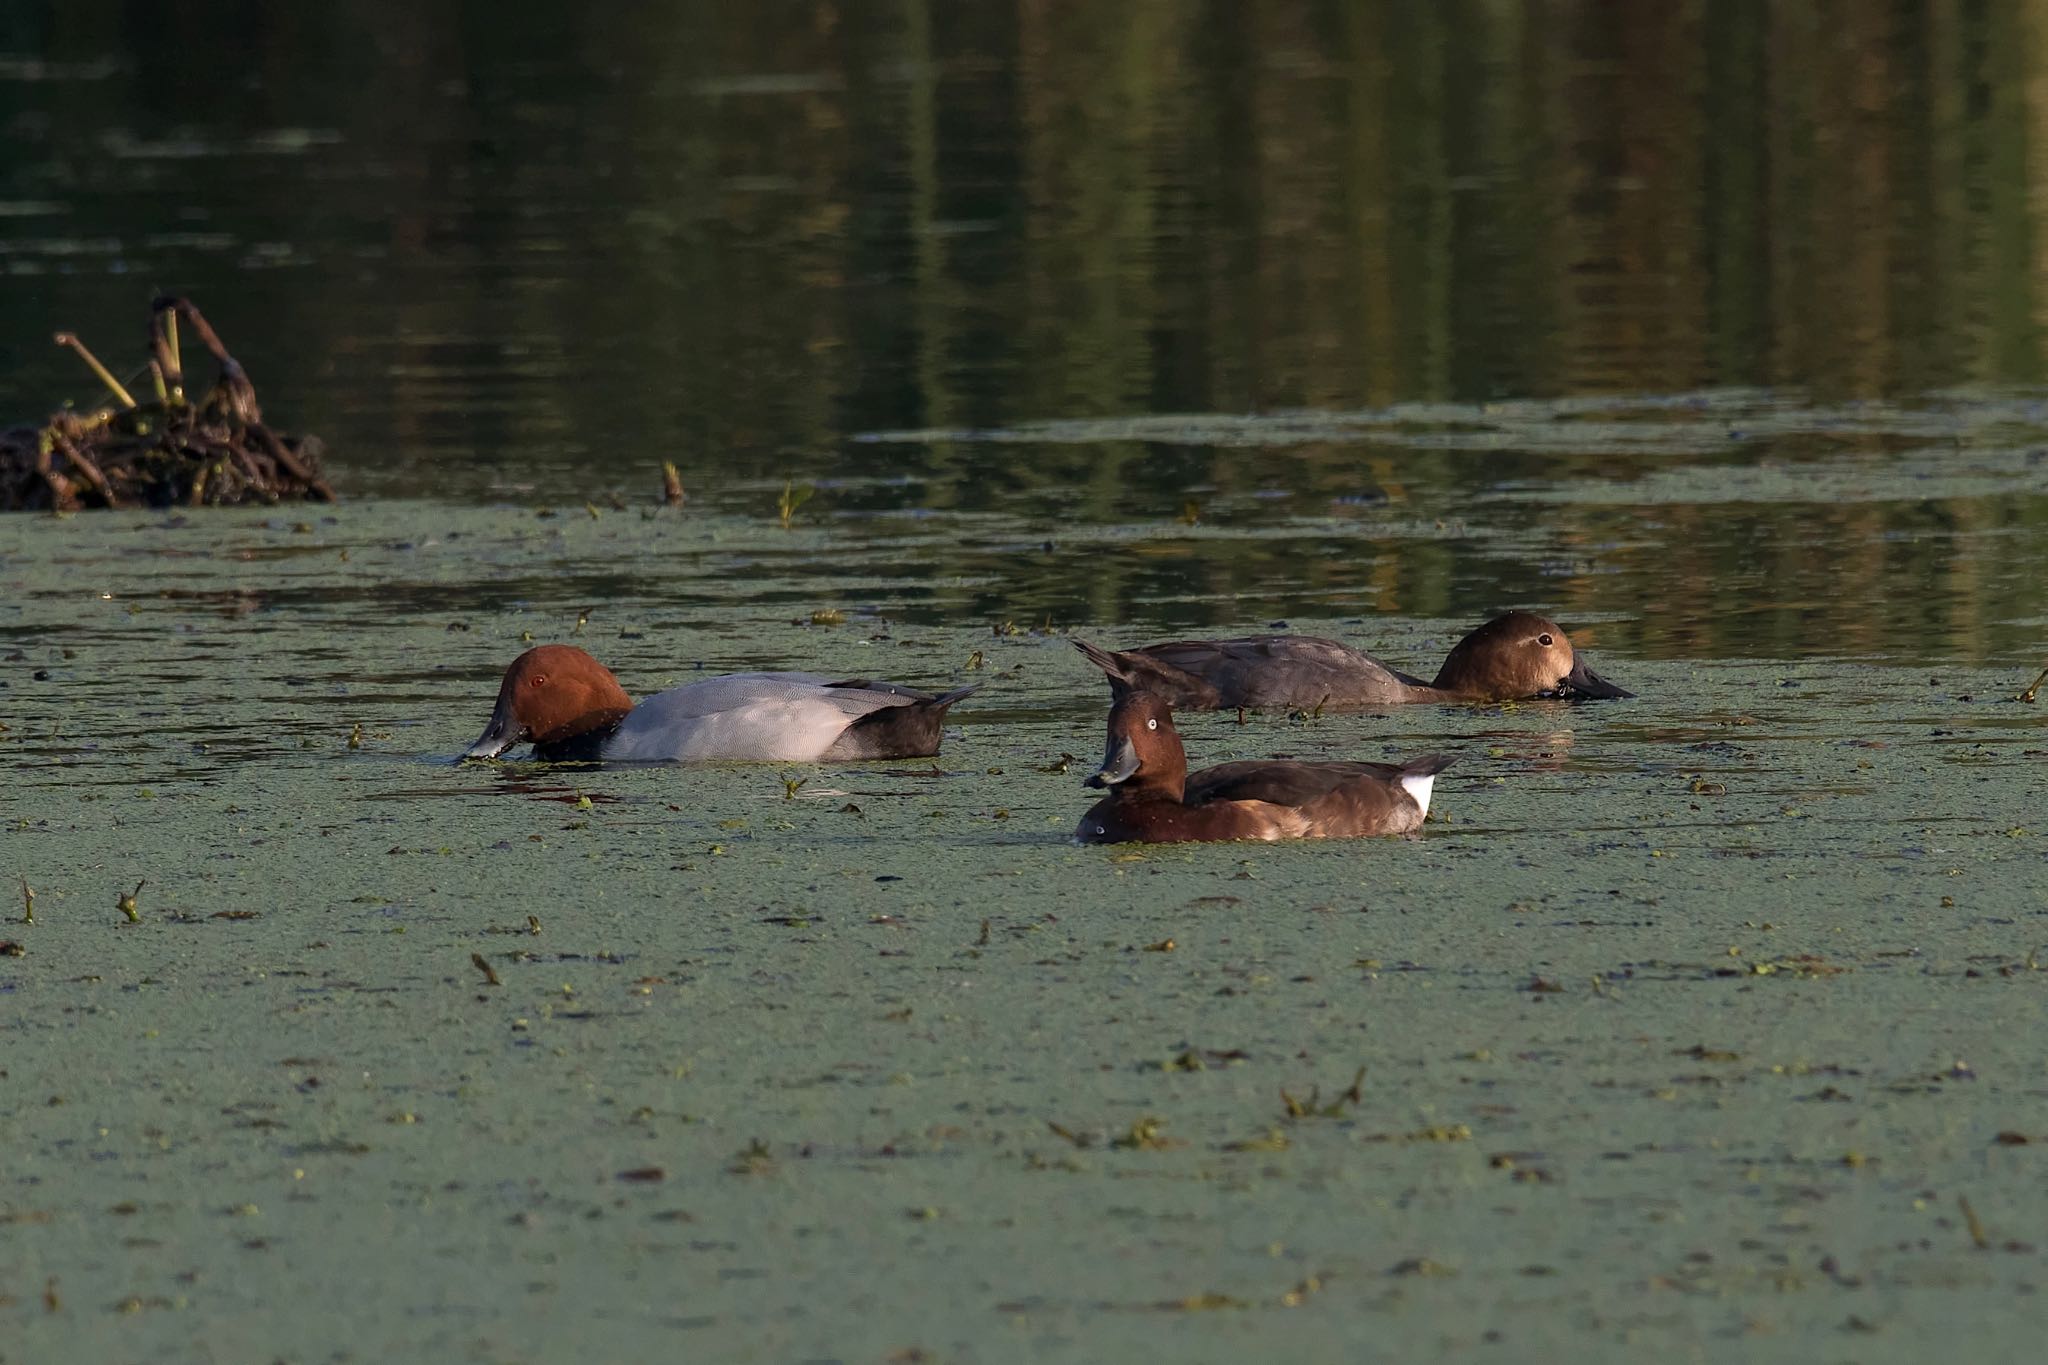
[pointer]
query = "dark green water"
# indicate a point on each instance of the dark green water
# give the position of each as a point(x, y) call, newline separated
point(1704, 1025)
point(530, 255)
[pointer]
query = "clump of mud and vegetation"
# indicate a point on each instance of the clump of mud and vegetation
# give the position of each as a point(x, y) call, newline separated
point(161, 449)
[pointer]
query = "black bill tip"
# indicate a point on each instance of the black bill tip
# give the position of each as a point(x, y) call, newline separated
point(1583, 684)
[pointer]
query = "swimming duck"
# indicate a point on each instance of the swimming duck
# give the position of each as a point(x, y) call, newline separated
point(572, 708)
point(1153, 798)
point(1517, 655)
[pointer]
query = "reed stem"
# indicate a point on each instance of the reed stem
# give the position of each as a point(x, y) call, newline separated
point(66, 339)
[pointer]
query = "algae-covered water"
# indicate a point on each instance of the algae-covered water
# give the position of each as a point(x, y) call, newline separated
point(1705, 1023)
point(1701, 1026)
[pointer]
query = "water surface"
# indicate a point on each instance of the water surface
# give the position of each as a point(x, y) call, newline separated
point(1699, 1024)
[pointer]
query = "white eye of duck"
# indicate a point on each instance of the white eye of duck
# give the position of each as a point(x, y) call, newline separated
point(1152, 724)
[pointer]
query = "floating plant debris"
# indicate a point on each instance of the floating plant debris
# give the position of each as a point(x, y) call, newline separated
point(165, 449)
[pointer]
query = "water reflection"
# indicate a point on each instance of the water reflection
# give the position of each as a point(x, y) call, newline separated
point(527, 253)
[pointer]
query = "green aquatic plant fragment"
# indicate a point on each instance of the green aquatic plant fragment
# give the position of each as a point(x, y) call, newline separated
point(792, 498)
point(1147, 1135)
point(1314, 1108)
point(753, 1159)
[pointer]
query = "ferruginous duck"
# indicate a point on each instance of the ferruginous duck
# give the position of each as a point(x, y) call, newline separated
point(1154, 799)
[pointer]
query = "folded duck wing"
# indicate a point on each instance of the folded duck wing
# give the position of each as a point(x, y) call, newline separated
point(1275, 671)
point(1307, 784)
point(1280, 783)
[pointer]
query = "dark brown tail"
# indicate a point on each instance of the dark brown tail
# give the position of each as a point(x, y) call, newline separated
point(911, 730)
point(1118, 668)
point(1137, 670)
point(1428, 765)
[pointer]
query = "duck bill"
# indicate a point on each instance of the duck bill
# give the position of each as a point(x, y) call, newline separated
point(502, 733)
point(1583, 684)
point(1120, 764)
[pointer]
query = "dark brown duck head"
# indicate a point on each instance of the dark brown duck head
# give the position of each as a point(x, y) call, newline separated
point(551, 693)
point(1144, 754)
point(1520, 654)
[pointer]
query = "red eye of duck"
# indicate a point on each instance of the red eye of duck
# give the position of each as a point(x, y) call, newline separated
point(1544, 639)
point(538, 679)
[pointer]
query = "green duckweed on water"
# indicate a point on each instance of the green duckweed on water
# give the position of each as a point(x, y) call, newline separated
point(915, 341)
point(1709, 1017)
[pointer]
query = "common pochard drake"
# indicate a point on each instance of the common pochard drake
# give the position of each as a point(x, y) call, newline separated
point(572, 708)
point(1519, 655)
point(1153, 798)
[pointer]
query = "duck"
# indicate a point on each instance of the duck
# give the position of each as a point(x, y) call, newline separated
point(1153, 799)
point(573, 710)
point(1516, 655)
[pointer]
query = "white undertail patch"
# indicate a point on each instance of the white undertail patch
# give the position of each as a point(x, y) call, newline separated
point(1419, 788)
